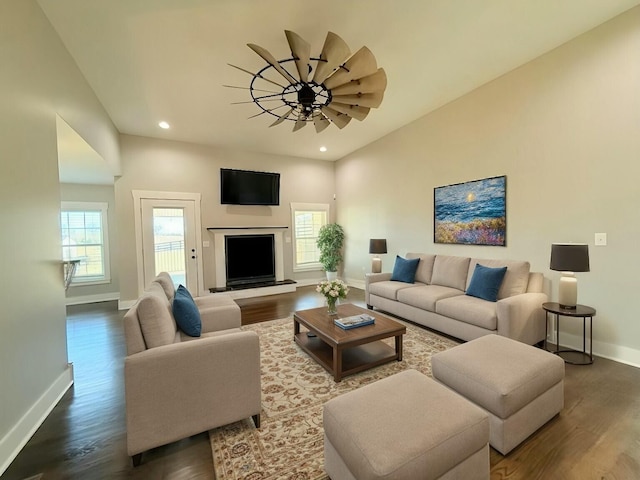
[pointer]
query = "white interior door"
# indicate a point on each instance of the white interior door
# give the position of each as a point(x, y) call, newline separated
point(169, 241)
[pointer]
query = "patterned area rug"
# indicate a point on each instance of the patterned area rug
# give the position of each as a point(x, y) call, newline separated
point(289, 444)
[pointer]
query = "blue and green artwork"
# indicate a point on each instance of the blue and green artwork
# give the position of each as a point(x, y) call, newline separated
point(471, 213)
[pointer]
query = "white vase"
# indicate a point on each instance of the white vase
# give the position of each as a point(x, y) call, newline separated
point(332, 275)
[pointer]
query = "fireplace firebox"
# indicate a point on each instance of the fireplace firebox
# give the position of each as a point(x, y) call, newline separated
point(250, 259)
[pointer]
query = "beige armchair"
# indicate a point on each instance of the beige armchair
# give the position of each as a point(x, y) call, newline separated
point(177, 386)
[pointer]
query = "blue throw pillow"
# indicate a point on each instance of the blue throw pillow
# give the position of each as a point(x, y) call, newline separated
point(186, 313)
point(485, 282)
point(404, 269)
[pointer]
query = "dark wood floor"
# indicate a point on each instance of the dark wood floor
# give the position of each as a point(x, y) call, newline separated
point(597, 435)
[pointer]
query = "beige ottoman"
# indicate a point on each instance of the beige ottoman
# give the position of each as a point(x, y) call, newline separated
point(406, 426)
point(520, 386)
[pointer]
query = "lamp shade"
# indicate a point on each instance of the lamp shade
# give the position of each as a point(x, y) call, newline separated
point(378, 245)
point(570, 257)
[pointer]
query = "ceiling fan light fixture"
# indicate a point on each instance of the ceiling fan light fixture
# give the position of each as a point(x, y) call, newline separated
point(343, 86)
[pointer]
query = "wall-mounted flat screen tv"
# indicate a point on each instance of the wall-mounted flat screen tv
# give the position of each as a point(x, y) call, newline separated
point(244, 187)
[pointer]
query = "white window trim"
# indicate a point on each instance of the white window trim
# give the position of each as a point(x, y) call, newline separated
point(311, 207)
point(104, 209)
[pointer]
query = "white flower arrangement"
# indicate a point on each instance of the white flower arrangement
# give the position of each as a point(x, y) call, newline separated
point(333, 289)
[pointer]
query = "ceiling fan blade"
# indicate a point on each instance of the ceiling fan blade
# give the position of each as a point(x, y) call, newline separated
point(340, 119)
point(270, 59)
point(370, 84)
point(256, 75)
point(281, 118)
point(320, 122)
point(301, 50)
point(359, 113)
point(371, 100)
point(335, 51)
point(361, 64)
point(300, 123)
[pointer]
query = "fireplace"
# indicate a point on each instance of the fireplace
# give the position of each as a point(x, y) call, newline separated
point(220, 235)
point(250, 259)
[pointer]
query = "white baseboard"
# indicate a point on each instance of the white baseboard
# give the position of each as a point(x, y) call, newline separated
point(126, 304)
point(617, 353)
point(14, 441)
point(101, 297)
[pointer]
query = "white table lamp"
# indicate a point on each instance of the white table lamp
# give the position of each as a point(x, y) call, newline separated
point(376, 247)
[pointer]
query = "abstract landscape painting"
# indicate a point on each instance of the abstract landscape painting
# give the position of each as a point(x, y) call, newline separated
point(471, 213)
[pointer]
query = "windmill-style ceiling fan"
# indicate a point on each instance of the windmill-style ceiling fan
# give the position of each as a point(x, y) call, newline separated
point(343, 86)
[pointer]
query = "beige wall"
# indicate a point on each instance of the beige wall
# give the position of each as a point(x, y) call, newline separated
point(565, 130)
point(72, 192)
point(159, 165)
point(38, 79)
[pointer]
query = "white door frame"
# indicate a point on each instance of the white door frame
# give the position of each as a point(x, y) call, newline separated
point(138, 195)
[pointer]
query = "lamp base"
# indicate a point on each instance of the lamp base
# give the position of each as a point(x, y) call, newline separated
point(376, 265)
point(568, 291)
point(567, 307)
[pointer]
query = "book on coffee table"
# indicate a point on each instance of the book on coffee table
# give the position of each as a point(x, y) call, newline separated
point(354, 321)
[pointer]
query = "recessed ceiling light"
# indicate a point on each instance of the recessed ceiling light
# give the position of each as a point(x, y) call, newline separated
point(323, 149)
point(164, 125)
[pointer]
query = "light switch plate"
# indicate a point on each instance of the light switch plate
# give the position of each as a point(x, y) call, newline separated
point(601, 239)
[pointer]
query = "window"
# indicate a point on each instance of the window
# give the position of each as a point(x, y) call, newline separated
point(307, 218)
point(83, 227)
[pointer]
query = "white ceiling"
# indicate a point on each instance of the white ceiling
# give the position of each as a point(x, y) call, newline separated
point(152, 60)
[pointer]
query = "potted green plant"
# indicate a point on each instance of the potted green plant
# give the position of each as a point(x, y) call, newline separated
point(330, 242)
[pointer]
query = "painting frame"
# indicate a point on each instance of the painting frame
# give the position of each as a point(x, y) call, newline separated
point(471, 213)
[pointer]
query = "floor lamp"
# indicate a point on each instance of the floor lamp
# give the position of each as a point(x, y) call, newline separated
point(569, 258)
point(376, 247)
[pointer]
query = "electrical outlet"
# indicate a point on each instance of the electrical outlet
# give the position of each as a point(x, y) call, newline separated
point(205, 244)
point(601, 239)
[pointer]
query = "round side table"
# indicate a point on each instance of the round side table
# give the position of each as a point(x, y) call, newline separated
point(574, 357)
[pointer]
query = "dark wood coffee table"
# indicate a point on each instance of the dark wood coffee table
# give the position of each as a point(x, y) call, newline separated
point(345, 352)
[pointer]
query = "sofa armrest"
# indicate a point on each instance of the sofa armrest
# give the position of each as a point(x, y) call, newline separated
point(179, 390)
point(522, 318)
point(370, 278)
point(216, 318)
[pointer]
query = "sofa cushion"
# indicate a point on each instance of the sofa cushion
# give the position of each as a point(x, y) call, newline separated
point(186, 312)
point(156, 322)
point(425, 267)
point(471, 310)
point(426, 296)
point(164, 280)
point(183, 337)
point(404, 269)
point(515, 280)
point(389, 288)
point(485, 282)
point(450, 271)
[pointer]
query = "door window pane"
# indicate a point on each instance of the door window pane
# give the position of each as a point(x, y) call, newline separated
point(168, 241)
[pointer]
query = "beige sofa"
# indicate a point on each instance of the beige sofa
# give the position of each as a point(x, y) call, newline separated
point(177, 386)
point(437, 298)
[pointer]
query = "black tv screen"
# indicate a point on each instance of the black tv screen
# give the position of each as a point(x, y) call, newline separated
point(244, 187)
